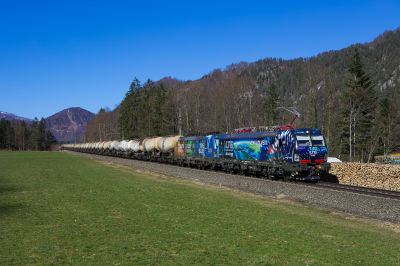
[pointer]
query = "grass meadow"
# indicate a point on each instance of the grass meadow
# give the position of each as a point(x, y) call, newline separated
point(57, 208)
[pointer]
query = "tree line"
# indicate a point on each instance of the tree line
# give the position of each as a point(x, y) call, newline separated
point(23, 137)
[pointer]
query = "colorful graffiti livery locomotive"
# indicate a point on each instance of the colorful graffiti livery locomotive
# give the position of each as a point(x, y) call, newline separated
point(283, 153)
point(298, 154)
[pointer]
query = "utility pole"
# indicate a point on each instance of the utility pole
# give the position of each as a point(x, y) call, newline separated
point(123, 133)
point(100, 132)
point(180, 122)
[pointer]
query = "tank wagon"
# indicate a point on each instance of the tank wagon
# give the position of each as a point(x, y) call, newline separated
point(278, 153)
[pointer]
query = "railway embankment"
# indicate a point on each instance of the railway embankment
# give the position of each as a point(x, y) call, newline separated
point(380, 176)
point(364, 205)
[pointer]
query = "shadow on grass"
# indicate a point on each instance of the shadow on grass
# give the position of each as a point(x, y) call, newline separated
point(7, 209)
point(4, 189)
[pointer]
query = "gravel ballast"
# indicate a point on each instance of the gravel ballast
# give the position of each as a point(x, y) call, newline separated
point(375, 207)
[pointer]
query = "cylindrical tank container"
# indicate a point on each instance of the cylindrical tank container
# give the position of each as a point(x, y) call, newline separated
point(149, 144)
point(106, 145)
point(130, 145)
point(123, 145)
point(110, 145)
point(156, 143)
point(117, 145)
point(141, 146)
point(134, 145)
point(160, 142)
point(96, 145)
point(169, 143)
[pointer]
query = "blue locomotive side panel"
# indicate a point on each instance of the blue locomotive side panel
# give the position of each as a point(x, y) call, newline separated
point(286, 144)
point(255, 149)
point(211, 146)
point(200, 145)
point(307, 145)
point(258, 147)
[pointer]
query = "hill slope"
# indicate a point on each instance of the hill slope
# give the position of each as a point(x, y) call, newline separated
point(68, 123)
point(17, 119)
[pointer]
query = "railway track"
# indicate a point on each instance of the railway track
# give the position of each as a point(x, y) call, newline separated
point(338, 187)
point(355, 189)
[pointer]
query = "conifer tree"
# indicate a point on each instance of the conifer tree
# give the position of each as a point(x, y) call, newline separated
point(129, 111)
point(41, 135)
point(4, 129)
point(360, 101)
point(24, 134)
point(33, 133)
point(270, 104)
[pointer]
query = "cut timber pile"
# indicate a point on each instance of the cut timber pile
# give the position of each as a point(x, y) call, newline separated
point(382, 176)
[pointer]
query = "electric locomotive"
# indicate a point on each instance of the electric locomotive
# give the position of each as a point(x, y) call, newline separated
point(283, 153)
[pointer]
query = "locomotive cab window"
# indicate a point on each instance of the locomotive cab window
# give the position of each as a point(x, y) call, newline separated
point(303, 140)
point(317, 140)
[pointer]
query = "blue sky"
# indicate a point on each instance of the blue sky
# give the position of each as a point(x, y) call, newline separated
point(60, 54)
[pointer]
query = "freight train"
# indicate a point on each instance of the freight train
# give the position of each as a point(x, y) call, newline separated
point(282, 152)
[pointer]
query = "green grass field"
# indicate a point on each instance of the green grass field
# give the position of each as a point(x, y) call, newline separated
point(57, 208)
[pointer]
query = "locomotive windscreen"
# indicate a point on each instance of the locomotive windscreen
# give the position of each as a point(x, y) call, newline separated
point(303, 140)
point(313, 140)
point(317, 140)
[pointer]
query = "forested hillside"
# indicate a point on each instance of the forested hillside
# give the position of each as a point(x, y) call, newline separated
point(353, 97)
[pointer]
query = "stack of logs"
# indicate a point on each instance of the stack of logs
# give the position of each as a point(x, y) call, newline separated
point(382, 176)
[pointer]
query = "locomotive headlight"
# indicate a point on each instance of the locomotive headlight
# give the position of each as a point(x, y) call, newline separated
point(296, 158)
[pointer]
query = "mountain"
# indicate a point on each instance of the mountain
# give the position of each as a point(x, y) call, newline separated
point(69, 123)
point(17, 119)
